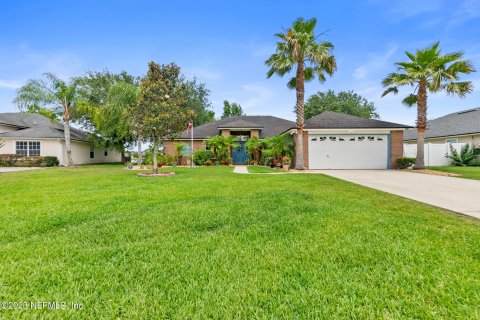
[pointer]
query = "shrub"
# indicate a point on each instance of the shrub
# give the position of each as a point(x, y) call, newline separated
point(15, 160)
point(402, 163)
point(200, 157)
point(468, 156)
point(51, 161)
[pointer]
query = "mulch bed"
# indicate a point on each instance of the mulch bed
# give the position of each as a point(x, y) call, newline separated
point(160, 174)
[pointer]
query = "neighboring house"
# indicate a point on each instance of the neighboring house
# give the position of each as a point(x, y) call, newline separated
point(32, 134)
point(331, 140)
point(457, 127)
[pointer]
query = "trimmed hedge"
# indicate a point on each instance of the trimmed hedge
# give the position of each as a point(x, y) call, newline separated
point(201, 157)
point(51, 161)
point(15, 160)
point(403, 163)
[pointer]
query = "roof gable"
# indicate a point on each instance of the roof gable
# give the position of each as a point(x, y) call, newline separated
point(269, 126)
point(335, 120)
point(457, 123)
point(36, 126)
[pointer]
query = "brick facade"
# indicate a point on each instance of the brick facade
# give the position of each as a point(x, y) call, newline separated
point(169, 148)
point(396, 146)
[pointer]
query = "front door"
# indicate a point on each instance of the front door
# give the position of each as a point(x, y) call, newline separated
point(239, 154)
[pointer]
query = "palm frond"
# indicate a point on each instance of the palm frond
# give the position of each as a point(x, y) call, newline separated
point(410, 100)
point(393, 90)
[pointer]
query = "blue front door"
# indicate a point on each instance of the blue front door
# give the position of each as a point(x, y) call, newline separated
point(239, 154)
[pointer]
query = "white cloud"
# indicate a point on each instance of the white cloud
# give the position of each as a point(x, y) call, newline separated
point(10, 84)
point(405, 9)
point(257, 96)
point(375, 62)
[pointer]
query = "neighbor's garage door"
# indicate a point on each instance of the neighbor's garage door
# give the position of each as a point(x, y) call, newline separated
point(369, 151)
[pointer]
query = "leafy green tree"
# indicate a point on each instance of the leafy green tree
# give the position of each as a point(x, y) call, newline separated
point(161, 113)
point(46, 112)
point(197, 100)
point(428, 71)
point(347, 102)
point(298, 48)
point(59, 96)
point(231, 109)
point(105, 99)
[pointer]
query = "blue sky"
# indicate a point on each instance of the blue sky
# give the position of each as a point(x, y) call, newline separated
point(225, 44)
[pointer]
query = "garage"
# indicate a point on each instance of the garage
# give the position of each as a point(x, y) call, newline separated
point(348, 151)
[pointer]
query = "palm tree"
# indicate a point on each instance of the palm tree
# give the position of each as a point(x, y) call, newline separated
point(428, 71)
point(298, 47)
point(52, 92)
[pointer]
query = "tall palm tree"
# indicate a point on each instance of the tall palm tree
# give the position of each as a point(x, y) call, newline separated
point(55, 93)
point(428, 71)
point(298, 47)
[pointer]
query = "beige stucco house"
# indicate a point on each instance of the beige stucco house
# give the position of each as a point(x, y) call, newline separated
point(457, 127)
point(35, 135)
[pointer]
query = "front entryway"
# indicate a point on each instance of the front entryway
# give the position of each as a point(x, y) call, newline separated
point(239, 153)
point(348, 151)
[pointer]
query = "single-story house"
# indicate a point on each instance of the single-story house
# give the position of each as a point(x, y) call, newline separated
point(32, 134)
point(457, 127)
point(331, 140)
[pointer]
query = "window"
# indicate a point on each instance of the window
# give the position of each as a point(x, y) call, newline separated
point(27, 148)
point(186, 150)
point(105, 152)
point(92, 152)
point(34, 148)
point(333, 138)
point(453, 140)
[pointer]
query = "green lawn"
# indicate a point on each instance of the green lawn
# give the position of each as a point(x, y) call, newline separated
point(464, 172)
point(208, 243)
point(262, 169)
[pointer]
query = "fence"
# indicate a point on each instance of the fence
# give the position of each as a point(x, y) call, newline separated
point(434, 152)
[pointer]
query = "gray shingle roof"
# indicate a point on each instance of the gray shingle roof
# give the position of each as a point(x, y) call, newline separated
point(36, 126)
point(269, 126)
point(334, 120)
point(453, 124)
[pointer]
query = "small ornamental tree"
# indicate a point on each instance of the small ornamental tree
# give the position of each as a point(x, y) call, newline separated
point(161, 113)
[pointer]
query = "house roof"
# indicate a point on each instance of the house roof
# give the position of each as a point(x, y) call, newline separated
point(268, 126)
point(36, 126)
point(453, 124)
point(334, 120)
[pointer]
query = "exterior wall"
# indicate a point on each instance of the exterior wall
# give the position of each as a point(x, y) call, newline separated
point(255, 133)
point(474, 138)
point(81, 154)
point(5, 128)
point(48, 147)
point(396, 146)
point(170, 150)
point(225, 132)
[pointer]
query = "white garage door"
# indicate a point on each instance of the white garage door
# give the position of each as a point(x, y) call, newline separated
point(368, 151)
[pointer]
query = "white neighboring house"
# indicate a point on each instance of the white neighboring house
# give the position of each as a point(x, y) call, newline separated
point(458, 127)
point(32, 134)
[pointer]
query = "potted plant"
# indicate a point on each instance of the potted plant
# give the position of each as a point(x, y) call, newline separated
point(286, 163)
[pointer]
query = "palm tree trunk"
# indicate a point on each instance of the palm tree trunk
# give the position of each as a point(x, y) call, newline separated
point(421, 124)
point(68, 146)
point(155, 164)
point(300, 86)
point(139, 149)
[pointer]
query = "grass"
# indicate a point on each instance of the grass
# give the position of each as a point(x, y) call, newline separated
point(464, 172)
point(208, 243)
point(262, 169)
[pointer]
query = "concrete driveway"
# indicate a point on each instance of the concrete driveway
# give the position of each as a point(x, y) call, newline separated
point(455, 194)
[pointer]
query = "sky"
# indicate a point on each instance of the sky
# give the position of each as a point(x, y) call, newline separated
point(225, 44)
